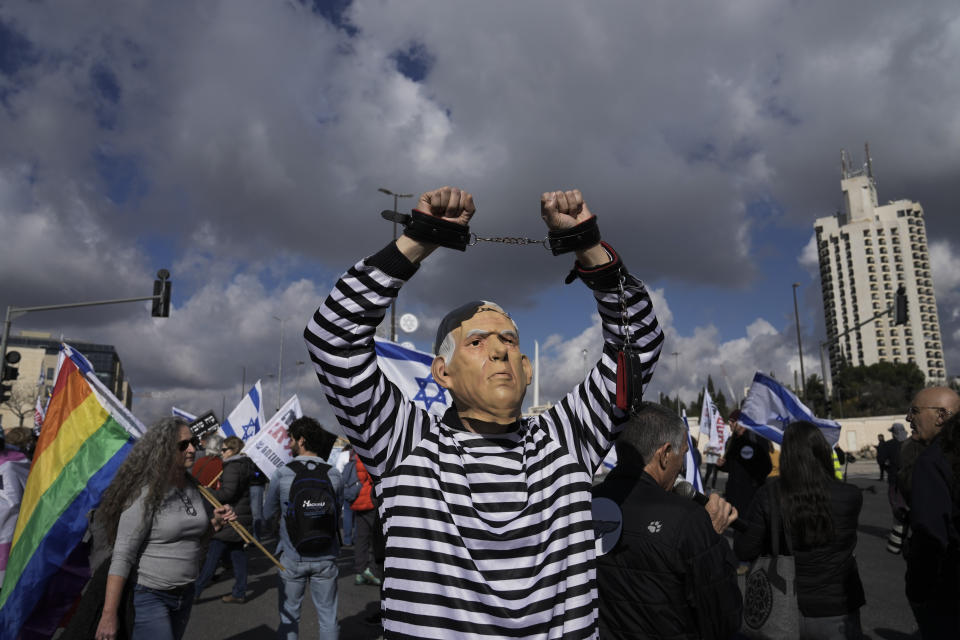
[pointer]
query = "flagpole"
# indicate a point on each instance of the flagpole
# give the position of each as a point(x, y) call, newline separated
point(280, 365)
point(676, 359)
point(239, 528)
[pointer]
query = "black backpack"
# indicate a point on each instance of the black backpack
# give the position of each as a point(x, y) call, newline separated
point(312, 510)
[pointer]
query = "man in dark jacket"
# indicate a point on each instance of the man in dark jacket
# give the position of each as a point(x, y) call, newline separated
point(663, 569)
point(933, 556)
point(747, 463)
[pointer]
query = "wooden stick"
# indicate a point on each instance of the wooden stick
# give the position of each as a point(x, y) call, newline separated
point(239, 528)
point(215, 478)
point(212, 499)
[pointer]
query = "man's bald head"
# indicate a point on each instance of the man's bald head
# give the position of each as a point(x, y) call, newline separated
point(930, 409)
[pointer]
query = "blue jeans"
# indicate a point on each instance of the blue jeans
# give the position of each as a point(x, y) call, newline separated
point(161, 615)
point(347, 523)
point(322, 578)
point(256, 506)
point(238, 557)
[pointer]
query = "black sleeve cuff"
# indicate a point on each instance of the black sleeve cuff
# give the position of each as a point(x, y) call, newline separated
point(392, 262)
point(602, 278)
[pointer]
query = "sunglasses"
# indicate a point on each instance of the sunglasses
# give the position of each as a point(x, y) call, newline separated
point(225, 449)
point(915, 410)
point(183, 444)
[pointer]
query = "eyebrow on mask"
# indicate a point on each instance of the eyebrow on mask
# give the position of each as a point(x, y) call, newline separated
point(483, 334)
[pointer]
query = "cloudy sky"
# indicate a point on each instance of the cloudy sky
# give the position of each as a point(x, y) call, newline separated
point(240, 144)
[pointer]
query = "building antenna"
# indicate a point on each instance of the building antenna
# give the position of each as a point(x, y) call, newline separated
point(843, 164)
point(866, 149)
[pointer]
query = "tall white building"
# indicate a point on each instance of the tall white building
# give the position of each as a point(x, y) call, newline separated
point(866, 251)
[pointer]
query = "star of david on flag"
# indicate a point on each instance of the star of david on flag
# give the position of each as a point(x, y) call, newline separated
point(247, 418)
point(770, 407)
point(409, 369)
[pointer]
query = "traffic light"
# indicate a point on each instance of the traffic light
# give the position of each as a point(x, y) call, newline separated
point(10, 372)
point(161, 293)
point(900, 310)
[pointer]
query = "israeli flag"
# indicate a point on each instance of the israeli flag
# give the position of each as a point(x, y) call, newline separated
point(409, 369)
point(611, 460)
point(180, 413)
point(692, 474)
point(247, 418)
point(770, 407)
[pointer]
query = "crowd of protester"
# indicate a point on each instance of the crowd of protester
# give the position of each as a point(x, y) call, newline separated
point(487, 523)
point(680, 580)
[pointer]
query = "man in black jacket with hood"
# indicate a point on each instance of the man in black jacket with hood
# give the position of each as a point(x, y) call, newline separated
point(663, 569)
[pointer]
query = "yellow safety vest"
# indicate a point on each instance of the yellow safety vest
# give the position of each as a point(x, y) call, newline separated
point(837, 469)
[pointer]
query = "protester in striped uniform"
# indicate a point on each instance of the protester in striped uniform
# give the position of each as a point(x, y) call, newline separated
point(486, 514)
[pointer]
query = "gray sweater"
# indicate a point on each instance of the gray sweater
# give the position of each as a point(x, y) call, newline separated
point(172, 545)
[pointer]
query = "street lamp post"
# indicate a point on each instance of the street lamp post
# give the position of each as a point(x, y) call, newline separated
point(393, 306)
point(299, 384)
point(280, 365)
point(796, 315)
point(676, 360)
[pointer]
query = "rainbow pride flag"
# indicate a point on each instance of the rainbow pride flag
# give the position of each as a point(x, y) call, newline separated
point(86, 434)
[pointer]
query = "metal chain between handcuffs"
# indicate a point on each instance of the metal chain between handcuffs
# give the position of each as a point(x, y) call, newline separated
point(474, 239)
point(629, 369)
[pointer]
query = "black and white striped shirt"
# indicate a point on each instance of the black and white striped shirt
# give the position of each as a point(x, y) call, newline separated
point(488, 536)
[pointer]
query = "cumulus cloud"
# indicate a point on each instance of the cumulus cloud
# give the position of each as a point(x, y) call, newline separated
point(243, 142)
point(809, 258)
point(945, 264)
point(227, 334)
point(731, 363)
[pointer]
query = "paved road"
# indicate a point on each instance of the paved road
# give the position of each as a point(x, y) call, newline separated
point(886, 615)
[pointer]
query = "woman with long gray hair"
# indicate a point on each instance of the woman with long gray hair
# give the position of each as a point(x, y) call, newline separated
point(157, 522)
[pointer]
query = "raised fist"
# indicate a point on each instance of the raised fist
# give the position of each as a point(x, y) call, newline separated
point(563, 209)
point(448, 203)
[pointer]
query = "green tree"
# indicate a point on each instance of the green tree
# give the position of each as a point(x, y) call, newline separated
point(878, 389)
point(671, 402)
point(816, 398)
